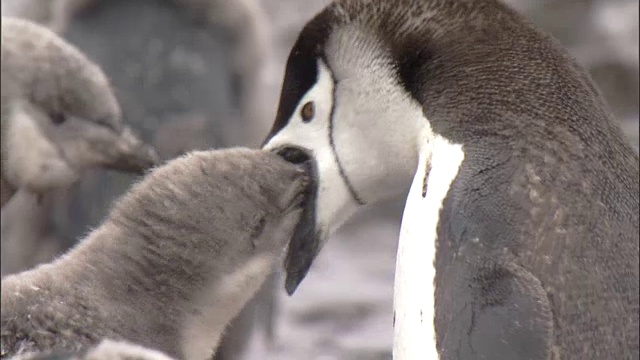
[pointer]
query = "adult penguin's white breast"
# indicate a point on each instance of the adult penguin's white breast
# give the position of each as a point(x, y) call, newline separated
point(414, 285)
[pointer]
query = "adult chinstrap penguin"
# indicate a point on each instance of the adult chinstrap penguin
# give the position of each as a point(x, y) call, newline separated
point(176, 259)
point(520, 232)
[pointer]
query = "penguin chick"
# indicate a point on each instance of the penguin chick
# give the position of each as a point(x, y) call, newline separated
point(176, 259)
point(106, 350)
point(59, 114)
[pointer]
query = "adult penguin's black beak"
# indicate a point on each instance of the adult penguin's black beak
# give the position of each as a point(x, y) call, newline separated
point(307, 239)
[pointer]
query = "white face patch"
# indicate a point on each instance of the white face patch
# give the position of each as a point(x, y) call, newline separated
point(335, 203)
point(414, 285)
point(363, 141)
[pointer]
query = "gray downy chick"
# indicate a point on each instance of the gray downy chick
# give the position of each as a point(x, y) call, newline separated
point(59, 114)
point(176, 259)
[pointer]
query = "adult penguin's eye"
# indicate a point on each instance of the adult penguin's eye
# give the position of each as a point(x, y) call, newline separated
point(58, 118)
point(308, 111)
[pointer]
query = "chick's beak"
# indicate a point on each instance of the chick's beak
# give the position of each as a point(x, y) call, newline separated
point(133, 155)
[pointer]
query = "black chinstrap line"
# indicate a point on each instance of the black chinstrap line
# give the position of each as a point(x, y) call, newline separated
point(343, 174)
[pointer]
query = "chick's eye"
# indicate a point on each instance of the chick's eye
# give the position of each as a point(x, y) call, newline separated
point(308, 111)
point(58, 118)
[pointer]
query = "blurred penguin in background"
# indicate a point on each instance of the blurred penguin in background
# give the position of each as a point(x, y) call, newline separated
point(59, 114)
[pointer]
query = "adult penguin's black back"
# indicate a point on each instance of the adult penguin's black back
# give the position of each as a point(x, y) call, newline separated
point(537, 237)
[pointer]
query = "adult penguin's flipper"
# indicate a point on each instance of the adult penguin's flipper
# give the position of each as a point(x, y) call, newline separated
point(508, 317)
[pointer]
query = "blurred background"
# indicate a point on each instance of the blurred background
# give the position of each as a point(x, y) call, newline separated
point(198, 74)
